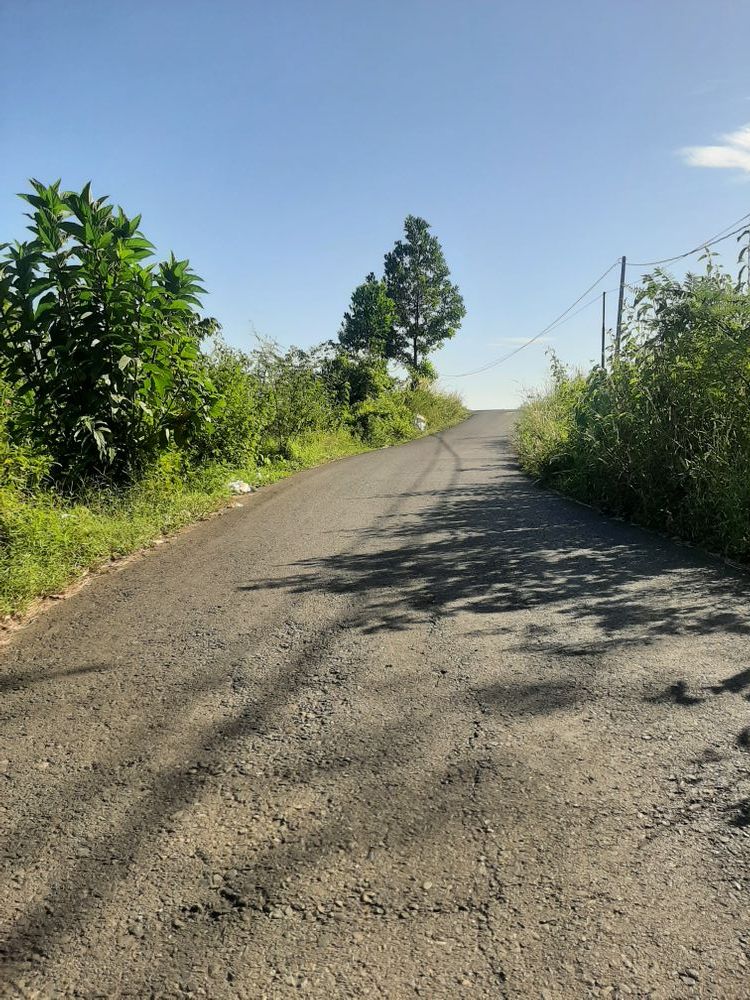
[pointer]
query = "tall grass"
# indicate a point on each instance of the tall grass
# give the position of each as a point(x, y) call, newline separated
point(663, 437)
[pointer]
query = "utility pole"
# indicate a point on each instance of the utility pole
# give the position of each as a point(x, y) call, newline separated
point(604, 320)
point(618, 331)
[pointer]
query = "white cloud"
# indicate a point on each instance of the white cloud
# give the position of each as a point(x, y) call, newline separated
point(732, 153)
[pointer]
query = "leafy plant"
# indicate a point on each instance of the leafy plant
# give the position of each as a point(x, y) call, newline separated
point(350, 379)
point(383, 420)
point(102, 347)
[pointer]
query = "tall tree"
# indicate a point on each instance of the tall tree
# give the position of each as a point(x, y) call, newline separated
point(368, 324)
point(429, 307)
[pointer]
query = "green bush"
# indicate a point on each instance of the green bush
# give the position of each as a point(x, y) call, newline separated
point(101, 349)
point(547, 421)
point(352, 378)
point(664, 437)
point(47, 540)
point(22, 466)
point(294, 396)
point(383, 420)
point(233, 435)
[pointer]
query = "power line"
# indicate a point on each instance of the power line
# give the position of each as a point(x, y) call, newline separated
point(720, 237)
point(732, 230)
point(588, 305)
point(555, 322)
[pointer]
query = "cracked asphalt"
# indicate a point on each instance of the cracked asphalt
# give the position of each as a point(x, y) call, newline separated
point(404, 725)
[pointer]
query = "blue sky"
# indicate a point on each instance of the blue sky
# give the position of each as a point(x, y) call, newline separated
point(280, 145)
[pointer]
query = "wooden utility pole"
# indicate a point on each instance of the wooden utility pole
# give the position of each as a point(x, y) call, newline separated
point(604, 320)
point(618, 330)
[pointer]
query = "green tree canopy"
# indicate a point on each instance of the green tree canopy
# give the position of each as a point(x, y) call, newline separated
point(429, 307)
point(368, 324)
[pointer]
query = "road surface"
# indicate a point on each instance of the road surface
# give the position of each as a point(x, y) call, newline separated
point(405, 725)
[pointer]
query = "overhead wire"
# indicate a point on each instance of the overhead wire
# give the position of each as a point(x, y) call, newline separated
point(738, 226)
point(547, 329)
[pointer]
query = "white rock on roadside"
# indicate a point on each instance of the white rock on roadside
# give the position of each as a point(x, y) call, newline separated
point(240, 486)
point(419, 422)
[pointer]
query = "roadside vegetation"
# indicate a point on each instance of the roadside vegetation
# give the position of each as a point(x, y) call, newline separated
point(662, 435)
point(124, 415)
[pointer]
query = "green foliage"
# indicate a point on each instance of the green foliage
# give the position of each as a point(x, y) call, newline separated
point(382, 420)
point(317, 448)
point(294, 395)
point(233, 435)
point(440, 409)
point(429, 307)
point(389, 417)
point(102, 348)
point(368, 325)
point(547, 421)
point(353, 379)
point(48, 540)
point(664, 437)
point(22, 466)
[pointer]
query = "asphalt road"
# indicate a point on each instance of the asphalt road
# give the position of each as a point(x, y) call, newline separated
point(406, 725)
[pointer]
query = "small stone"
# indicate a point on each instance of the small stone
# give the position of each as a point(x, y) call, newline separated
point(237, 486)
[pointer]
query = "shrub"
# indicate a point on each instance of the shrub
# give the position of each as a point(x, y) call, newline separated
point(102, 348)
point(22, 466)
point(664, 437)
point(294, 396)
point(351, 379)
point(233, 435)
point(383, 420)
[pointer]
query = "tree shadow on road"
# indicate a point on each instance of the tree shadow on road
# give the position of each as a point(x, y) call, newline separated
point(738, 683)
point(499, 546)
